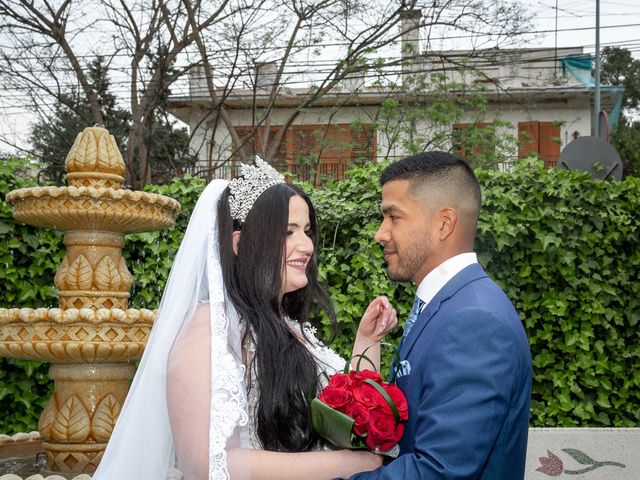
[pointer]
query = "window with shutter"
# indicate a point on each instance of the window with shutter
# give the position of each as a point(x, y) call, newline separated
point(317, 151)
point(542, 138)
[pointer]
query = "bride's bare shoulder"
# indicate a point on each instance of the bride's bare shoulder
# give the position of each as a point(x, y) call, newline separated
point(202, 312)
point(194, 337)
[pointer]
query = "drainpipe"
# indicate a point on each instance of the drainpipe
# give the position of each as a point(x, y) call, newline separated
point(596, 102)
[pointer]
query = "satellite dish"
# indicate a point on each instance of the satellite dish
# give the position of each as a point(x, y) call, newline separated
point(594, 156)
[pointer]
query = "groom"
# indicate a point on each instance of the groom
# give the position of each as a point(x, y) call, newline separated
point(465, 365)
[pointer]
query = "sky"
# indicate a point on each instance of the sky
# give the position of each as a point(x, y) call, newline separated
point(576, 19)
point(561, 23)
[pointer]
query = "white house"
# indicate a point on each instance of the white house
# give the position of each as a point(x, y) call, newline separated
point(542, 96)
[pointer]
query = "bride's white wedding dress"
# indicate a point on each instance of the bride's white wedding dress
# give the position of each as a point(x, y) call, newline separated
point(193, 367)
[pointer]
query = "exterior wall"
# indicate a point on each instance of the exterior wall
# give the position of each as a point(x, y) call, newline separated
point(573, 115)
point(222, 144)
point(574, 118)
point(507, 68)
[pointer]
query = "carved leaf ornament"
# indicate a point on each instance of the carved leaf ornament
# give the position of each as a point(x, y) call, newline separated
point(59, 279)
point(103, 155)
point(79, 275)
point(105, 417)
point(72, 422)
point(107, 276)
point(46, 420)
point(83, 154)
point(124, 273)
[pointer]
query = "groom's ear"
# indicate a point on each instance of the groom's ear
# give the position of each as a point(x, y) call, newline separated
point(447, 219)
point(235, 239)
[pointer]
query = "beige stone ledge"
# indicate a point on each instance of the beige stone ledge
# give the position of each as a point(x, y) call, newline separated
point(561, 453)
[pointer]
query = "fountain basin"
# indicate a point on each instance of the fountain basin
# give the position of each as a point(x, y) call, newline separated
point(75, 335)
point(90, 208)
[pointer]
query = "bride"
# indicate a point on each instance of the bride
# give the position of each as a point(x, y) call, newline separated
point(223, 388)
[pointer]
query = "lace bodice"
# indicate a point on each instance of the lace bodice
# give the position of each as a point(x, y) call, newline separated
point(327, 361)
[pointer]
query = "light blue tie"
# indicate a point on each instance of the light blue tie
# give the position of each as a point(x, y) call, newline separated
point(413, 314)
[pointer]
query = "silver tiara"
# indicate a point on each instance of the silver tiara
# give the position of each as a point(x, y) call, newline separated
point(252, 182)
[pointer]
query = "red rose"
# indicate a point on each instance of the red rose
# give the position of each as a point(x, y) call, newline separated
point(340, 380)
point(398, 398)
point(360, 415)
point(364, 374)
point(368, 396)
point(335, 397)
point(384, 432)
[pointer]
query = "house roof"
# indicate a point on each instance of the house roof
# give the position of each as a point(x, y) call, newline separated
point(515, 76)
point(292, 98)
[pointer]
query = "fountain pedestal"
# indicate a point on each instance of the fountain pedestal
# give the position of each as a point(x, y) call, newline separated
point(93, 339)
point(80, 415)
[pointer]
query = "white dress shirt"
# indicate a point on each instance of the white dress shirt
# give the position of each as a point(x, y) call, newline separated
point(439, 276)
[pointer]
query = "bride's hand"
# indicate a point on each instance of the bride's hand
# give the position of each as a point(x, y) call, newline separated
point(378, 320)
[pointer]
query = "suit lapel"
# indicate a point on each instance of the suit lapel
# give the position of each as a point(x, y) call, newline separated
point(465, 276)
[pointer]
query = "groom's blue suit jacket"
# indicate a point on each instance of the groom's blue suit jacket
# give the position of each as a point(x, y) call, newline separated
point(467, 378)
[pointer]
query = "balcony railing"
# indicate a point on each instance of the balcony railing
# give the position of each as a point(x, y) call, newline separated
point(317, 174)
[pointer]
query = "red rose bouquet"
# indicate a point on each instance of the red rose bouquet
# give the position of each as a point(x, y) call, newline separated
point(359, 410)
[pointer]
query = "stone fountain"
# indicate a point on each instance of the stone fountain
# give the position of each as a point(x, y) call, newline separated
point(93, 338)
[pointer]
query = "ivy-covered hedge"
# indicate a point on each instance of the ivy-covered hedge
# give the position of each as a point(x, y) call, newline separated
point(29, 258)
point(564, 248)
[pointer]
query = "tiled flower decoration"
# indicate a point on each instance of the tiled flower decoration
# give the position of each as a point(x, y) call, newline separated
point(552, 465)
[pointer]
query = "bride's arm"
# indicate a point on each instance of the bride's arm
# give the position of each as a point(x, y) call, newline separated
point(378, 320)
point(262, 465)
point(189, 394)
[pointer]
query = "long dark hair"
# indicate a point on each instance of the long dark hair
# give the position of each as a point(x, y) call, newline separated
point(286, 371)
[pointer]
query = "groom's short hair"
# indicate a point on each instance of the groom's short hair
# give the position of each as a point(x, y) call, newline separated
point(438, 175)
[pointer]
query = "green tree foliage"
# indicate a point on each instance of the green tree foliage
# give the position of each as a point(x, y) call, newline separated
point(433, 111)
point(626, 139)
point(563, 247)
point(620, 69)
point(53, 136)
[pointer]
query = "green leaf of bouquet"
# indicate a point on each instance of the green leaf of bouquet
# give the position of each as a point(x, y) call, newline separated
point(386, 397)
point(331, 424)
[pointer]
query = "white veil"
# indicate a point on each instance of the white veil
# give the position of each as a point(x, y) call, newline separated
point(141, 446)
